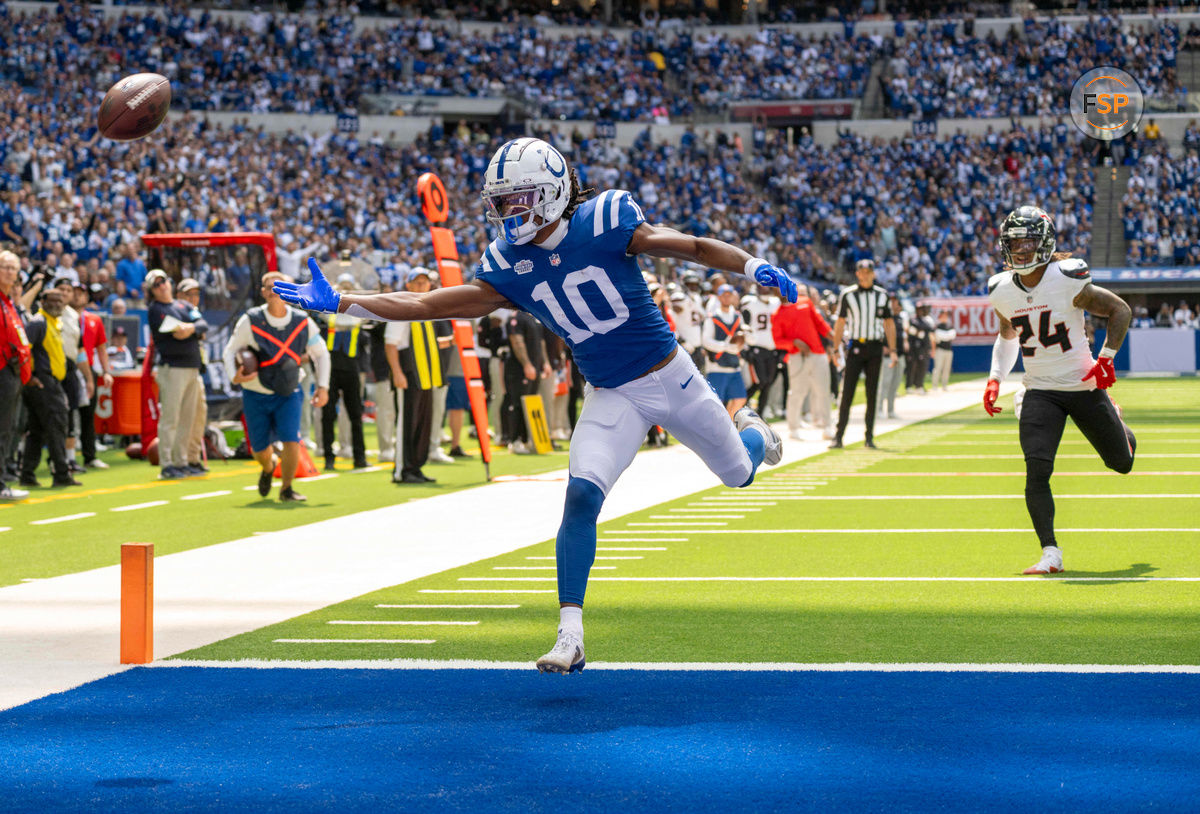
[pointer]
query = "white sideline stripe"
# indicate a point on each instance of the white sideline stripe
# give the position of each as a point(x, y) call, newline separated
point(1010, 496)
point(1066, 577)
point(699, 517)
point(913, 531)
point(204, 495)
point(1013, 474)
point(697, 523)
point(492, 607)
point(658, 548)
point(62, 519)
point(354, 641)
point(365, 469)
point(135, 506)
point(1069, 456)
point(470, 591)
point(5, 528)
point(393, 622)
point(721, 667)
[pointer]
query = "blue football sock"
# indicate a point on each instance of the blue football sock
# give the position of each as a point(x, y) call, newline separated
point(575, 547)
point(756, 446)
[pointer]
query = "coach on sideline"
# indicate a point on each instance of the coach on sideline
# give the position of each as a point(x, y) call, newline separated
point(272, 398)
point(865, 308)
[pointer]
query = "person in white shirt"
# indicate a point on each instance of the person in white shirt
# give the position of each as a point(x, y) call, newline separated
point(943, 354)
point(757, 310)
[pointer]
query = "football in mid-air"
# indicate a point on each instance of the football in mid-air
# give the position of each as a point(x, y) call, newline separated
point(134, 107)
point(247, 361)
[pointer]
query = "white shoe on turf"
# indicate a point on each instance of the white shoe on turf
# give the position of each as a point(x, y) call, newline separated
point(438, 456)
point(1050, 563)
point(566, 656)
point(746, 417)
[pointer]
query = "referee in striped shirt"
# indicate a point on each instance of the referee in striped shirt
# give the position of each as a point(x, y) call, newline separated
point(865, 308)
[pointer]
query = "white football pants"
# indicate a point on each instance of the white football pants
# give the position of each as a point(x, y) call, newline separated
point(614, 422)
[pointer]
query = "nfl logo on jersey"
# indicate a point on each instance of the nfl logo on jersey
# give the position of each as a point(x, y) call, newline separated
point(555, 259)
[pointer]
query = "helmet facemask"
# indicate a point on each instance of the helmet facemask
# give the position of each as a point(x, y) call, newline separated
point(1027, 235)
point(513, 211)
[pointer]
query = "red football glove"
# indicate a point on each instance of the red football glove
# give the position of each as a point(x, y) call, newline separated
point(1103, 371)
point(990, 394)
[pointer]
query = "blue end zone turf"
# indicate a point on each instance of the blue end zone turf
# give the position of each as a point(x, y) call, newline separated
point(482, 740)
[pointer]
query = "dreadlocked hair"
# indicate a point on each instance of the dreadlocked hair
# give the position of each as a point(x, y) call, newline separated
point(578, 195)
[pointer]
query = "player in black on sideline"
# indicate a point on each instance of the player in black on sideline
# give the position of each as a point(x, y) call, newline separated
point(1040, 297)
point(865, 308)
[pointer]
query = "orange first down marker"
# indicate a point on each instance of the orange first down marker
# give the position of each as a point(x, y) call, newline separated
point(137, 603)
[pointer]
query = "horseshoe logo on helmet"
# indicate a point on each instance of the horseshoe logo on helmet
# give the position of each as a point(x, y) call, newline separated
point(562, 163)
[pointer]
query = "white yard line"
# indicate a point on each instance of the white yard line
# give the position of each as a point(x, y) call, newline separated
point(406, 622)
point(749, 532)
point(497, 591)
point(48, 521)
point(699, 517)
point(697, 523)
point(473, 607)
point(1065, 577)
point(709, 509)
point(1008, 496)
point(658, 548)
point(133, 507)
point(354, 641)
point(205, 495)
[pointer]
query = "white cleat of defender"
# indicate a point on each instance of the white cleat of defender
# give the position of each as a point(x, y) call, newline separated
point(1050, 563)
point(773, 452)
point(567, 655)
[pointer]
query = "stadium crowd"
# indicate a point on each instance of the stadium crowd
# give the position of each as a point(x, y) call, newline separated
point(938, 71)
point(323, 63)
point(1160, 214)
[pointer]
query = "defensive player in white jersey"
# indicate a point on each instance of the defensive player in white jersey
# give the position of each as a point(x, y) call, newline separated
point(1041, 297)
point(571, 263)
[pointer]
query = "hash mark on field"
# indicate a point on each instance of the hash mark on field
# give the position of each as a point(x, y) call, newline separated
point(711, 509)
point(546, 567)
point(699, 517)
point(394, 622)
point(1010, 496)
point(994, 474)
point(63, 519)
point(354, 641)
point(204, 495)
point(625, 539)
point(1070, 456)
point(135, 506)
point(658, 548)
point(598, 558)
point(491, 607)
point(697, 523)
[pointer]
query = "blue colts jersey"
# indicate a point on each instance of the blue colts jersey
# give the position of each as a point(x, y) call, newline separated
point(588, 291)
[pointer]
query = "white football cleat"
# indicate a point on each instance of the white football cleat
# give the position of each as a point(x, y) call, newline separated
point(1050, 563)
point(566, 656)
point(439, 457)
point(773, 451)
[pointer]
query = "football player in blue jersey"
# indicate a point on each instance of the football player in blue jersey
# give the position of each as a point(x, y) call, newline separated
point(571, 262)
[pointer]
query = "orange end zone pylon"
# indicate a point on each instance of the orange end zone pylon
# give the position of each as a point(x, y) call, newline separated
point(137, 603)
point(436, 207)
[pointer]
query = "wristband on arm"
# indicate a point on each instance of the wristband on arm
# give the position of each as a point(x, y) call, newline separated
point(1004, 357)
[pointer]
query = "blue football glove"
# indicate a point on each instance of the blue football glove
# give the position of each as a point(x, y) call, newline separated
point(776, 277)
point(315, 295)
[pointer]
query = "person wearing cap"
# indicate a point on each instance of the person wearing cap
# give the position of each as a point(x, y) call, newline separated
point(723, 338)
point(120, 357)
point(920, 348)
point(272, 397)
point(45, 398)
point(415, 353)
point(91, 336)
point(189, 292)
point(176, 329)
point(864, 309)
point(346, 342)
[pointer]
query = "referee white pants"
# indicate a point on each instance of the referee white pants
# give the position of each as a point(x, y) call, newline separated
point(614, 423)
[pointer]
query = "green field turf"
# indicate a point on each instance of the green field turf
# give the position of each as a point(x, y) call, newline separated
point(29, 550)
point(929, 571)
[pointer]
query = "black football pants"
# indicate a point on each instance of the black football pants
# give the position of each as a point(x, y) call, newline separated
point(1043, 418)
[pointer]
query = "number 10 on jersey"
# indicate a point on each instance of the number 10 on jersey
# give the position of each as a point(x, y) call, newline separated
point(571, 285)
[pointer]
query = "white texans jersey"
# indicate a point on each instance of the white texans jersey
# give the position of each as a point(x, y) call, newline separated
point(757, 316)
point(1054, 346)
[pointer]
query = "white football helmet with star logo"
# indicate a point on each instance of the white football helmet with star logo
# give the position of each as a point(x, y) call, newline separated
point(526, 186)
